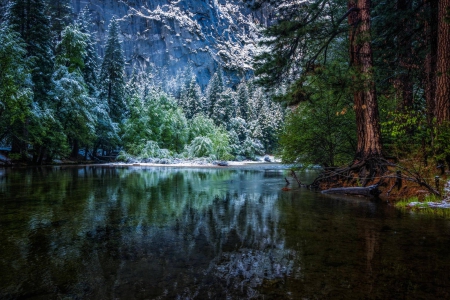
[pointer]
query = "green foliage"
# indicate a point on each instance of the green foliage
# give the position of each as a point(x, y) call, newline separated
point(321, 130)
point(15, 83)
point(201, 126)
point(405, 130)
point(201, 147)
point(71, 50)
point(112, 74)
point(29, 18)
point(301, 39)
point(441, 142)
point(191, 99)
point(154, 117)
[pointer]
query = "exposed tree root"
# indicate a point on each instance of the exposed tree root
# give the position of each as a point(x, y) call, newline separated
point(372, 171)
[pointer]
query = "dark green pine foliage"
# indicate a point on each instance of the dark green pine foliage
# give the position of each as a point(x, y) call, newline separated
point(90, 58)
point(112, 76)
point(105, 130)
point(15, 86)
point(302, 40)
point(242, 101)
point(29, 19)
point(73, 105)
point(191, 99)
point(213, 91)
point(60, 12)
point(224, 109)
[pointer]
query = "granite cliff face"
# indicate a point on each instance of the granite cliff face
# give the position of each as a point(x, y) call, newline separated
point(170, 36)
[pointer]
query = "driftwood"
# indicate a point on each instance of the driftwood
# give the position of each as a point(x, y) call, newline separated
point(368, 191)
point(296, 178)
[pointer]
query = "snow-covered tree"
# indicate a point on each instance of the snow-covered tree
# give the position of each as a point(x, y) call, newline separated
point(106, 130)
point(29, 19)
point(191, 99)
point(90, 58)
point(242, 101)
point(224, 108)
point(15, 82)
point(72, 103)
point(214, 90)
point(112, 75)
point(60, 12)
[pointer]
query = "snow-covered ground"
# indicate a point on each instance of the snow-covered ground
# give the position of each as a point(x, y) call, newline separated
point(203, 163)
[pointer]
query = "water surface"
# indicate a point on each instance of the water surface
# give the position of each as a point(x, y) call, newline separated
point(168, 233)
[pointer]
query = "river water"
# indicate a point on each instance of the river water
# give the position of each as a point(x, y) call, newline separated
point(192, 233)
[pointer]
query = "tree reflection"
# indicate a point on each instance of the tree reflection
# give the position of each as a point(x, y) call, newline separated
point(161, 233)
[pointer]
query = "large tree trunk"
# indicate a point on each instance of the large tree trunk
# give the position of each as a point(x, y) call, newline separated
point(75, 149)
point(430, 60)
point(442, 108)
point(365, 100)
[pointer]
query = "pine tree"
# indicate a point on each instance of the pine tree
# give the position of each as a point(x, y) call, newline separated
point(213, 91)
point(224, 108)
point(242, 100)
point(112, 77)
point(72, 103)
point(29, 19)
point(15, 83)
point(191, 99)
point(60, 12)
point(90, 58)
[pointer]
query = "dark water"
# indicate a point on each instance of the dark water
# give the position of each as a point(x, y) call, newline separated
point(162, 233)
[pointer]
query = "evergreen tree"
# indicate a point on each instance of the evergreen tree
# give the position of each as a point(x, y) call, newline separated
point(242, 100)
point(213, 92)
point(90, 58)
point(224, 108)
point(191, 99)
point(106, 131)
point(29, 19)
point(60, 12)
point(15, 83)
point(112, 76)
point(73, 105)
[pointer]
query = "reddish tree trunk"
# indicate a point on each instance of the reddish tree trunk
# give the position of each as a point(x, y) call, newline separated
point(430, 60)
point(442, 104)
point(365, 100)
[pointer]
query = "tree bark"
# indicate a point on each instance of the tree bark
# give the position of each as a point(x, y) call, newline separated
point(365, 99)
point(442, 108)
point(75, 149)
point(430, 60)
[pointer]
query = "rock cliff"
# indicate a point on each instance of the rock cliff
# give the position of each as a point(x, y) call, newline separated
point(171, 36)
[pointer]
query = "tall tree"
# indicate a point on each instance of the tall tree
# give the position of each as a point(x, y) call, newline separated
point(15, 84)
point(442, 104)
point(213, 91)
point(73, 105)
point(431, 25)
point(191, 99)
point(29, 19)
point(304, 41)
point(112, 74)
point(60, 12)
point(365, 98)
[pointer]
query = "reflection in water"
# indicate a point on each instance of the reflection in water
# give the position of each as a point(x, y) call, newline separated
point(162, 233)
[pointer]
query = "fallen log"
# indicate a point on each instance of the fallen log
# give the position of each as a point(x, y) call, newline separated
point(368, 191)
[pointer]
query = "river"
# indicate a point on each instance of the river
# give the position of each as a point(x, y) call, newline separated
point(102, 232)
